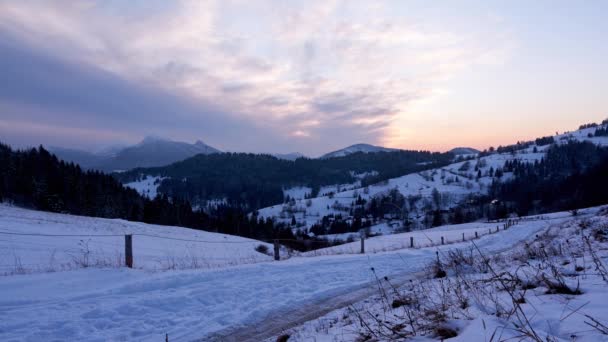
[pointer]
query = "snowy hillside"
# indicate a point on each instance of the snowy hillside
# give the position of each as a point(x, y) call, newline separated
point(28, 244)
point(365, 148)
point(453, 182)
point(451, 185)
point(147, 186)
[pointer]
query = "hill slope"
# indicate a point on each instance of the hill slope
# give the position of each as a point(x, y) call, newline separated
point(254, 181)
point(100, 242)
point(543, 175)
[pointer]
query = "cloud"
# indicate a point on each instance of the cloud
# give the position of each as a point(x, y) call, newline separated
point(241, 75)
point(41, 91)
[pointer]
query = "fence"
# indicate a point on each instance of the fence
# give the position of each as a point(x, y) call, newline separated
point(441, 238)
point(25, 252)
point(130, 254)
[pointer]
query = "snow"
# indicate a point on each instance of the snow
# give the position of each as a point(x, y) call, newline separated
point(147, 186)
point(582, 135)
point(427, 237)
point(415, 184)
point(188, 248)
point(119, 304)
point(553, 317)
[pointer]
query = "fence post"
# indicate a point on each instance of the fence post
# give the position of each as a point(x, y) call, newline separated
point(442, 241)
point(277, 256)
point(476, 235)
point(411, 242)
point(362, 244)
point(497, 229)
point(463, 237)
point(129, 250)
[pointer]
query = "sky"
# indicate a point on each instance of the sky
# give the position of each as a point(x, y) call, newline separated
point(307, 76)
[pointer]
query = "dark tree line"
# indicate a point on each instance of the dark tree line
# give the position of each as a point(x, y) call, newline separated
point(571, 175)
point(253, 181)
point(36, 179)
point(602, 131)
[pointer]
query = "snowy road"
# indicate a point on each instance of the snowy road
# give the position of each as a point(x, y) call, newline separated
point(121, 304)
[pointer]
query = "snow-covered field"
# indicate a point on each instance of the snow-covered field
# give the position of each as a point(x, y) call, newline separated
point(433, 237)
point(120, 304)
point(551, 289)
point(24, 250)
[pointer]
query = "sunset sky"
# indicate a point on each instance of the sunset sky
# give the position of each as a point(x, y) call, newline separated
point(307, 76)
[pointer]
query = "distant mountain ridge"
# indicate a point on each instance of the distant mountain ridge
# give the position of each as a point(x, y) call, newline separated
point(150, 152)
point(365, 148)
point(289, 156)
point(463, 150)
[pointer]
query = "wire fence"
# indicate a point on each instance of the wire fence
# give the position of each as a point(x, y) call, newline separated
point(171, 252)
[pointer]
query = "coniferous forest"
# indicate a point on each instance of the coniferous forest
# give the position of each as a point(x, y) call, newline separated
point(254, 181)
point(34, 178)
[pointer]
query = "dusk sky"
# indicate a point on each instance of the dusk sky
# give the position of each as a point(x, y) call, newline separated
point(306, 76)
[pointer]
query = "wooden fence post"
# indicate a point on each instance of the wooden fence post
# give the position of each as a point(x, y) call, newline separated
point(463, 237)
point(442, 241)
point(411, 242)
point(362, 235)
point(129, 250)
point(476, 235)
point(277, 256)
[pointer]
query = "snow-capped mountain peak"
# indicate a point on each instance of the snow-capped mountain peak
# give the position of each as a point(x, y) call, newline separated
point(365, 148)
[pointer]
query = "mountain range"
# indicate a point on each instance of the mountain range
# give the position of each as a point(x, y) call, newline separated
point(155, 152)
point(150, 152)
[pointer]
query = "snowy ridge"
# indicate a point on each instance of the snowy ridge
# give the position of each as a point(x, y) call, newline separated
point(365, 148)
point(289, 156)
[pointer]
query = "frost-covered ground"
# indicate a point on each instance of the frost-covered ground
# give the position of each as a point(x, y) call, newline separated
point(102, 244)
point(551, 289)
point(140, 305)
